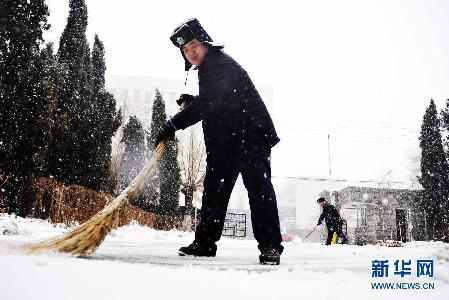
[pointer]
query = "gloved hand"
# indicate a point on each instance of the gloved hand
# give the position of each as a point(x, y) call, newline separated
point(166, 132)
point(185, 98)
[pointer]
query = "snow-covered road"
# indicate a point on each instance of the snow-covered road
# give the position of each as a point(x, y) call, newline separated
point(135, 262)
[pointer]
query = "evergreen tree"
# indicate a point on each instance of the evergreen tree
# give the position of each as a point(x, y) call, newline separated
point(434, 173)
point(158, 118)
point(151, 192)
point(98, 66)
point(49, 80)
point(85, 123)
point(105, 121)
point(134, 155)
point(21, 106)
point(170, 175)
point(163, 190)
point(445, 123)
point(69, 155)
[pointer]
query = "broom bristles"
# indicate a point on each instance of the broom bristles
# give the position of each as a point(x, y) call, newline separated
point(88, 236)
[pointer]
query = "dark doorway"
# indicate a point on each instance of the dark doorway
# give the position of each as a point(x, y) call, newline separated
point(401, 225)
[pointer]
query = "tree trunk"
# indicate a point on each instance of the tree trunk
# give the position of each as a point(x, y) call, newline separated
point(188, 193)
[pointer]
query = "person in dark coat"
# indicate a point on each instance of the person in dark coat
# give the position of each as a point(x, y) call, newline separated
point(334, 222)
point(238, 134)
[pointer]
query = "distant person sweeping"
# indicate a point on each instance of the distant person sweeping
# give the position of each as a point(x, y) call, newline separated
point(238, 134)
point(334, 222)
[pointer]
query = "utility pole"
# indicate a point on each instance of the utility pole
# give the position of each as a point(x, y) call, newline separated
point(330, 168)
point(383, 178)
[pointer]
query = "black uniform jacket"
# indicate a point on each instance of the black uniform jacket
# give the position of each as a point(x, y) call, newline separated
point(233, 113)
point(330, 213)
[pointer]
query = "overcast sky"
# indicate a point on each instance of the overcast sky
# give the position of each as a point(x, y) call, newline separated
point(362, 71)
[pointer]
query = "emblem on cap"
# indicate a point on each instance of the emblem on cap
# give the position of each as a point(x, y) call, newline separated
point(180, 40)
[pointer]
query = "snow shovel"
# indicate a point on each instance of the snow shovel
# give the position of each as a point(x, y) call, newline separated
point(307, 235)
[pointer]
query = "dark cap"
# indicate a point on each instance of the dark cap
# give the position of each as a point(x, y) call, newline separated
point(189, 30)
point(182, 35)
point(321, 200)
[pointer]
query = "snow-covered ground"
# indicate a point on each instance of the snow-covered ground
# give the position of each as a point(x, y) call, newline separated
point(135, 262)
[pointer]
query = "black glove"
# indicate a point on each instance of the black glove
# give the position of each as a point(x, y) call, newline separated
point(185, 98)
point(319, 223)
point(166, 132)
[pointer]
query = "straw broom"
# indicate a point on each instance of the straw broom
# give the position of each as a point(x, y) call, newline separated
point(88, 236)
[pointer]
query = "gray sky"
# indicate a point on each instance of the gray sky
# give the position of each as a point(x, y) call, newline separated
point(363, 71)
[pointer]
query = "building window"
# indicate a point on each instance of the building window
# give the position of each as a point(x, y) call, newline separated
point(361, 217)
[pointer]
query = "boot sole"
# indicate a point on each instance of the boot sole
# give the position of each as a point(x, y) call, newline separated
point(267, 260)
point(180, 253)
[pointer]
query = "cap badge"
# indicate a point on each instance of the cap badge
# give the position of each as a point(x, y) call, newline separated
point(180, 40)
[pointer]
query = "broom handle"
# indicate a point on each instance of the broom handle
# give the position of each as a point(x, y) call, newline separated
point(309, 233)
point(141, 179)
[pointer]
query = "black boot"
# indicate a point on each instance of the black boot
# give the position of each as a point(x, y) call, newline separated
point(196, 249)
point(344, 240)
point(269, 256)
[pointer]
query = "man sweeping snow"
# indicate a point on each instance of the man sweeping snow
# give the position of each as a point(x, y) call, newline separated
point(238, 134)
point(334, 222)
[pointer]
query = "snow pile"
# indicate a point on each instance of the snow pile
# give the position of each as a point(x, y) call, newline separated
point(136, 262)
point(443, 254)
point(17, 226)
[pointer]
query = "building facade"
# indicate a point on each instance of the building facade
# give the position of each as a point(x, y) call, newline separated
point(373, 214)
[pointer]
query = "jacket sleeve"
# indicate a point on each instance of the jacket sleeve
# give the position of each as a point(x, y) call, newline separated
point(216, 87)
point(259, 112)
point(334, 214)
point(320, 220)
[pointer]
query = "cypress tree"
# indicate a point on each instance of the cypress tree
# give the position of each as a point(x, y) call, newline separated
point(134, 154)
point(158, 118)
point(170, 175)
point(434, 173)
point(49, 80)
point(98, 66)
point(68, 153)
point(445, 123)
point(85, 123)
point(105, 121)
point(21, 107)
point(151, 191)
point(167, 177)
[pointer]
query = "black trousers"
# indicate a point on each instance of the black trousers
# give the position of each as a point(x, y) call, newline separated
point(339, 231)
point(218, 184)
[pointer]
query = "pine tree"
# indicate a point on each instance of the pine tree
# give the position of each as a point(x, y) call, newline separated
point(105, 121)
point(49, 80)
point(98, 66)
point(151, 192)
point(68, 152)
point(158, 118)
point(134, 155)
point(162, 192)
point(445, 123)
point(21, 107)
point(85, 126)
point(170, 175)
point(434, 173)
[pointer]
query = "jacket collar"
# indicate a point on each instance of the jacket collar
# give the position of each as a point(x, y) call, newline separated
point(209, 60)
